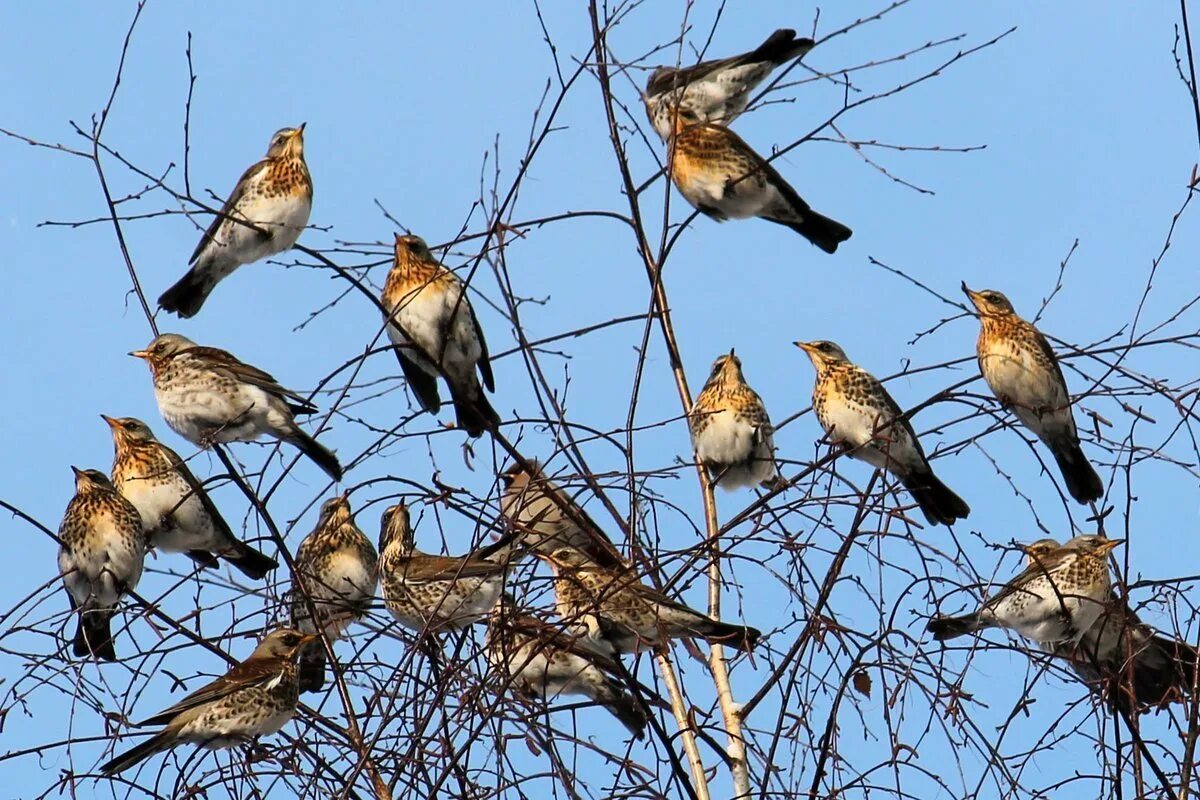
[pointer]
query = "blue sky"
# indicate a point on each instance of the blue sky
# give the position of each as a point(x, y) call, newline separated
point(1089, 136)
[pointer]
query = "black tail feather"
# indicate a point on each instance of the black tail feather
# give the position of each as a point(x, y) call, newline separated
point(324, 458)
point(780, 47)
point(1082, 481)
point(473, 411)
point(742, 637)
point(822, 231)
point(944, 628)
point(938, 503)
point(93, 637)
point(311, 675)
point(253, 564)
point(188, 294)
point(135, 755)
point(622, 706)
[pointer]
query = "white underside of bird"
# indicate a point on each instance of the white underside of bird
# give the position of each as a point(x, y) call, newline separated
point(736, 443)
point(93, 570)
point(862, 428)
point(1011, 373)
point(203, 416)
point(237, 243)
point(173, 526)
point(746, 197)
point(441, 326)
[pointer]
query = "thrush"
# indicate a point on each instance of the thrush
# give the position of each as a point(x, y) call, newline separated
point(723, 178)
point(544, 517)
point(1023, 372)
point(256, 697)
point(616, 607)
point(336, 570)
point(717, 91)
point(731, 432)
point(436, 332)
point(263, 216)
point(858, 414)
point(1057, 597)
point(1123, 658)
point(207, 396)
point(177, 514)
point(102, 552)
point(430, 592)
point(544, 661)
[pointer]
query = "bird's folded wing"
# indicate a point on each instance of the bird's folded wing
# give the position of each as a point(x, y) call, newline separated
point(223, 361)
point(255, 672)
point(227, 210)
point(197, 489)
point(424, 568)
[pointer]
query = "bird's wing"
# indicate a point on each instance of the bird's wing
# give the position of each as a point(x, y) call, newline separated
point(197, 489)
point(223, 361)
point(1045, 566)
point(253, 672)
point(422, 568)
point(485, 365)
point(550, 636)
point(227, 210)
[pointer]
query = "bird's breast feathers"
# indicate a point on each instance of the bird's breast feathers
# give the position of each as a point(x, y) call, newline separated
point(726, 439)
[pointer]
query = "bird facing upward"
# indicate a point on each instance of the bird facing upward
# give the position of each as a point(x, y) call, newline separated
point(731, 432)
point(264, 215)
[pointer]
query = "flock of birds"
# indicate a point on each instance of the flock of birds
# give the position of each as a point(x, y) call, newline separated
point(1063, 601)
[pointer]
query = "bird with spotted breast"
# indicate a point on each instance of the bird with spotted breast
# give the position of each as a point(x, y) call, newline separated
point(435, 331)
point(336, 572)
point(543, 661)
point(724, 178)
point(858, 414)
point(177, 513)
point(208, 396)
point(263, 216)
point(254, 698)
point(731, 432)
point(432, 592)
point(717, 91)
point(1022, 371)
point(1056, 599)
point(101, 555)
point(615, 607)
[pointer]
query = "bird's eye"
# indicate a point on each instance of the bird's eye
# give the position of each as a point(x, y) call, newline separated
point(291, 639)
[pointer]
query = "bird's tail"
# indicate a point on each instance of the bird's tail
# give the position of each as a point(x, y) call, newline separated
point(203, 558)
point(93, 637)
point(311, 675)
point(945, 628)
point(780, 47)
point(938, 503)
point(743, 637)
point(623, 706)
point(1082, 481)
point(323, 456)
point(252, 563)
point(472, 410)
point(822, 231)
point(189, 293)
point(157, 742)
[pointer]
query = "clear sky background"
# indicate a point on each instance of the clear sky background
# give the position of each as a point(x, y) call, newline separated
point(1089, 136)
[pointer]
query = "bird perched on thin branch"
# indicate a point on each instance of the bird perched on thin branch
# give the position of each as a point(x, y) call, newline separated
point(1057, 597)
point(544, 517)
point(616, 607)
point(544, 661)
point(254, 698)
point(1121, 657)
point(207, 396)
point(436, 332)
point(1023, 372)
point(731, 432)
point(336, 571)
point(717, 91)
point(724, 178)
point(177, 514)
point(859, 414)
point(431, 592)
point(263, 216)
point(103, 548)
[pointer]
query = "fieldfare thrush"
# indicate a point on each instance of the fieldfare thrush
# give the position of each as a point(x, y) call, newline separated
point(731, 432)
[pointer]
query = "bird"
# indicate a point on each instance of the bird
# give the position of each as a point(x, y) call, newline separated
point(543, 517)
point(717, 91)
point(177, 514)
point(614, 606)
point(724, 178)
point(731, 432)
point(1022, 371)
point(1057, 597)
point(432, 592)
point(256, 697)
point(263, 216)
point(207, 396)
point(436, 332)
point(336, 569)
point(1121, 657)
point(102, 552)
point(859, 414)
point(543, 661)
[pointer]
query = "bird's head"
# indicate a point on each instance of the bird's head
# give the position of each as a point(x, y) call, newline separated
point(1094, 545)
point(988, 302)
point(162, 348)
point(822, 353)
point(1036, 552)
point(283, 643)
point(727, 367)
point(395, 527)
point(128, 430)
point(335, 511)
point(409, 247)
point(91, 480)
point(287, 142)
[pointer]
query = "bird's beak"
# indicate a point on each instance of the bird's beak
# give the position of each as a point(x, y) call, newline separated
point(308, 637)
point(1109, 545)
point(805, 346)
point(76, 470)
point(140, 354)
point(112, 423)
point(731, 352)
point(300, 130)
point(974, 296)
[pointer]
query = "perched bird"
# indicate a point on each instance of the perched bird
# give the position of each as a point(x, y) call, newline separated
point(616, 607)
point(1123, 658)
point(858, 413)
point(436, 332)
point(731, 432)
point(717, 91)
point(544, 517)
point(177, 514)
point(206, 395)
point(543, 661)
point(101, 558)
point(336, 571)
point(428, 592)
point(1023, 372)
point(263, 216)
point(1057, 597)
point(723, 178)
point(255, 697)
